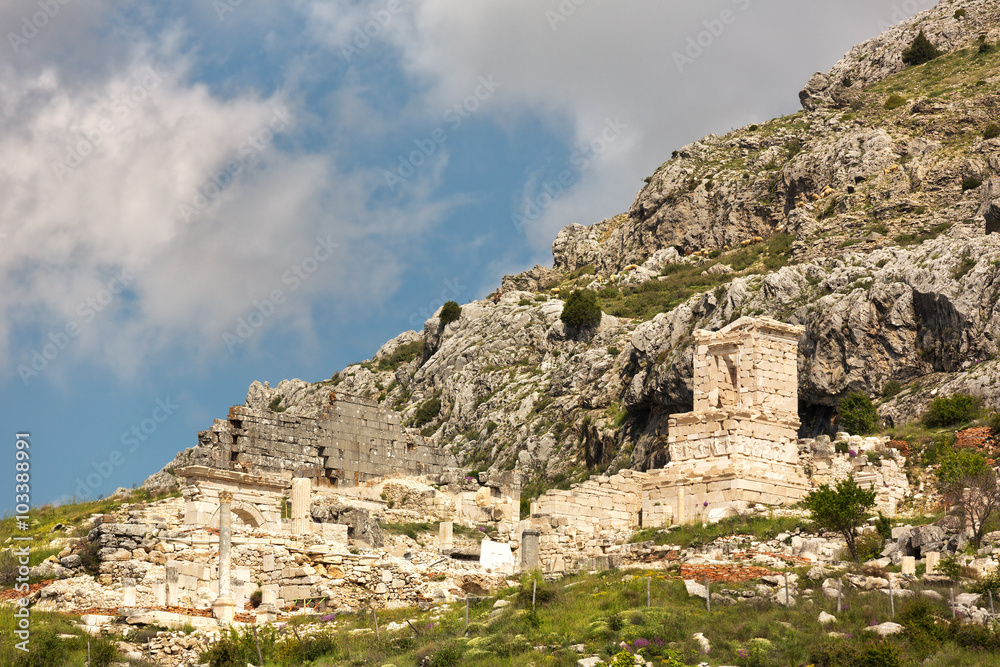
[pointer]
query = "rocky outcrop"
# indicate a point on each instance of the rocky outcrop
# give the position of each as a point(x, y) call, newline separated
point(880, 57)
point(862, 221)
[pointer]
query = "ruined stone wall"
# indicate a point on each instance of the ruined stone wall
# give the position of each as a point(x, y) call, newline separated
point(886, 473)
point(749, 363)
point(291, 570)
point(582, 527)
point(353, 441)
point(601, 502)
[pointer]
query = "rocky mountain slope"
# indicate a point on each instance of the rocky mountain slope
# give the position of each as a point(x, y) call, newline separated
point(861, 217)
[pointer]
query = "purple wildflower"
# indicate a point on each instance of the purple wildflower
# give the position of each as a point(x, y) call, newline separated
point(851, 453)
point(330, 617)
point(706, 503)
point(641, 642)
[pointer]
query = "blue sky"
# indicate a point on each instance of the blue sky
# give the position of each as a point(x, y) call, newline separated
point(196, 195)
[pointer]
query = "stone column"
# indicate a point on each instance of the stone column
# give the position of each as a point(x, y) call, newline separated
point(909, 565)
point(529, 549)
point(267, 610)
point(301, 519)
point(445, 536)
point(224, 605)
point(931, 559)
point(160, 593)
point(173, 584)
point(128, 592)
point(239, 594)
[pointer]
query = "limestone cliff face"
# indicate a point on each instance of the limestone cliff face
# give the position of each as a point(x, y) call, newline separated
point(861, 218)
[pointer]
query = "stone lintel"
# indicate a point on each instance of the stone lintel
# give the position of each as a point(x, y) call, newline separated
point(204, 473)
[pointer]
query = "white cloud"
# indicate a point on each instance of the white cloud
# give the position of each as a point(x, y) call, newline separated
point(191, 195)
point(583, 63)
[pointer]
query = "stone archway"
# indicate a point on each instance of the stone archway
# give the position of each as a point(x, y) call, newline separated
point(247, 512)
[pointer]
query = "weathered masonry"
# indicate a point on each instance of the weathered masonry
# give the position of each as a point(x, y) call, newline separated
point(737, 447)
point(351, 442)
point(740, 443)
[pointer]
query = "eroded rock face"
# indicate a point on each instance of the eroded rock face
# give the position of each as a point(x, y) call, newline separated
point(882, 56)
point(888, 267)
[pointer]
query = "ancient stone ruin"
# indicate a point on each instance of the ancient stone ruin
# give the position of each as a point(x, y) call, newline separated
point(353, 441)
point(740, 443)
point(287, 508)
point(737, 448)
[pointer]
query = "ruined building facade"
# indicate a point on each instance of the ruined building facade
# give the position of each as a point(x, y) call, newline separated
point(353, 441)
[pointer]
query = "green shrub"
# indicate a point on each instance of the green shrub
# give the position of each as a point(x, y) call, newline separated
point(890, 389)
point(275, 404)
point(960, 13)
point(581, 310)
point(857, 414)
point(841, 447)
point(427, 411)
point(237, 649)
point(992, 131)
point(894, 102)
point(448, 655)
point(970, 183)
point(403, 354)
point(869, 546)
point(450, 312)
point(879, 654)
point(951, 411)
point(920, 51)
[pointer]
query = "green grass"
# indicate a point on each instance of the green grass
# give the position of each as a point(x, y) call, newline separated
point(679, 282)
point(602, 611)
point(894, 102)
point(916, 238)
point(47, 649)
point(759, 528)
point(414, 530)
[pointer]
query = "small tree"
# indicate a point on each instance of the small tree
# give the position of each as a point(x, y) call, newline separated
point(450, 312)
point(966, 481)
point(843, 509)
point(920, 51)
point(857, 414)
point(951, 411)
point(581, 310)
